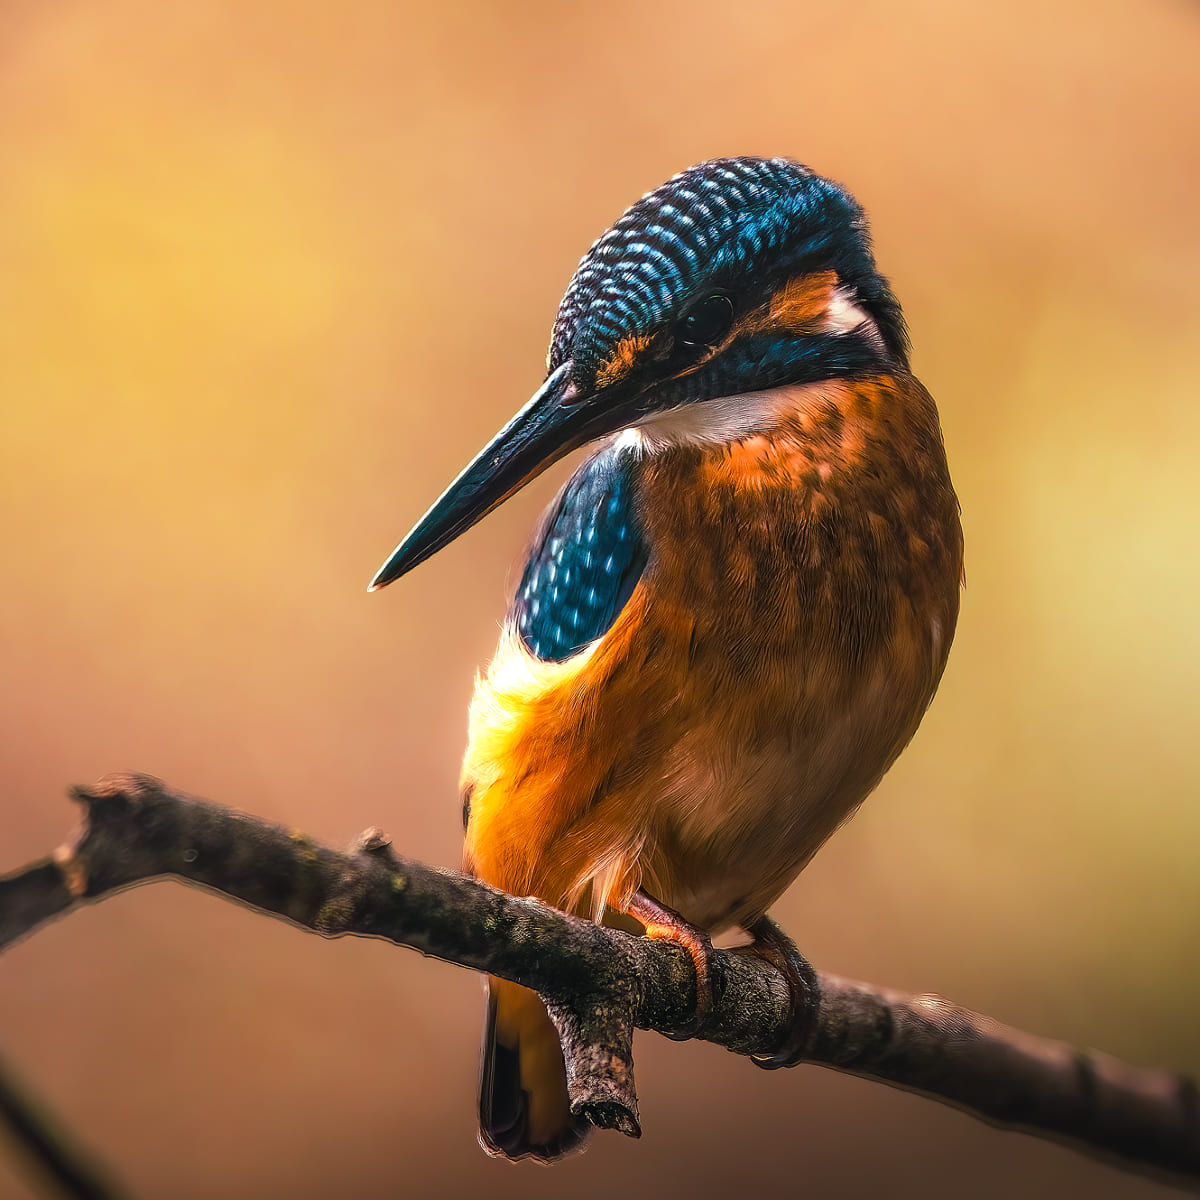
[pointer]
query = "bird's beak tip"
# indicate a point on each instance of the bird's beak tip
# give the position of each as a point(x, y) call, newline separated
point(385, 575)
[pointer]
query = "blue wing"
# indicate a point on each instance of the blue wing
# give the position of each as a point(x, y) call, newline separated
point(586, 563)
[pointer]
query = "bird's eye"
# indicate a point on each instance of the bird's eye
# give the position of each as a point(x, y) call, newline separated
point(706, 324)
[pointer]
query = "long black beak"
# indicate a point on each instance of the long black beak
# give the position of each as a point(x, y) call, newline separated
point(554, 422)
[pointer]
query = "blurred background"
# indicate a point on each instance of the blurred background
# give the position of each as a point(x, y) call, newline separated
point(270, 274)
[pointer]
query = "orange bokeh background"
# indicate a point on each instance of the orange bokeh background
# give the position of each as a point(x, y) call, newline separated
point(271, 273)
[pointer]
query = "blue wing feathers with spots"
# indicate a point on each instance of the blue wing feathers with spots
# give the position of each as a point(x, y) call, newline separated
point(590, 555)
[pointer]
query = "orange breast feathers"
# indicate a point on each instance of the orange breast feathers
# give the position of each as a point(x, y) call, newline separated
point(786, 636)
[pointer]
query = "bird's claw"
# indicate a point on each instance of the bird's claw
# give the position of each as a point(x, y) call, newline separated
point(659, 921)
point(771, 943)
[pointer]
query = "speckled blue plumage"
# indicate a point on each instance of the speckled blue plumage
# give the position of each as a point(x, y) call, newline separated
point(709, 228)
point(587, 563)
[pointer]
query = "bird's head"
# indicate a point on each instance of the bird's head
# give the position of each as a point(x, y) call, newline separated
point(737, 276)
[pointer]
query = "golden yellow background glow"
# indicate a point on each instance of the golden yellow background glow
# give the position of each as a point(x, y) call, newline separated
point(270, 273)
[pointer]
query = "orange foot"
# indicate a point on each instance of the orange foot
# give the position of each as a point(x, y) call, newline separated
point(660, 921)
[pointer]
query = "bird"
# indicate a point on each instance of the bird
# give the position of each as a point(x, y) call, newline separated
point(733, 616)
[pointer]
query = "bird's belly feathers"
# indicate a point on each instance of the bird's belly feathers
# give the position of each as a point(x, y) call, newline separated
point(649, 761)
point(735, 818)
point(712, 798)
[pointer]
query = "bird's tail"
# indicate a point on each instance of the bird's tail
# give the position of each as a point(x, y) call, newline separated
point(523, 1106)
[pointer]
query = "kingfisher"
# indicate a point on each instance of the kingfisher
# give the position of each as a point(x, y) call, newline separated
point(733, 616)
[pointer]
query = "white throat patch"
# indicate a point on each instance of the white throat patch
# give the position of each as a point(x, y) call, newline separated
point(725, 419)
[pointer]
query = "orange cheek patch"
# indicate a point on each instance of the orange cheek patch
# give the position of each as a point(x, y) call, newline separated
point(797, 307)
point(801, 303)
point(622, 360)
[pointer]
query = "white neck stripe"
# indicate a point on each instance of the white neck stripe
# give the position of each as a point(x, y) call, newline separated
point(714, 422)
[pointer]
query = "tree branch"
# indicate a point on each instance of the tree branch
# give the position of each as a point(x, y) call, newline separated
point(53, 1155)
point(600, 984)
